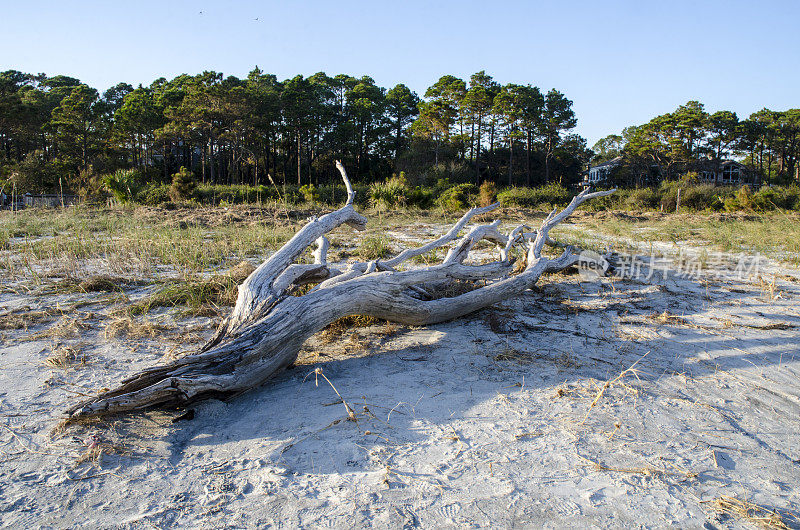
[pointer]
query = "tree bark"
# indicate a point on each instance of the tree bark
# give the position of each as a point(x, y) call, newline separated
point(528, 161)
point(478, 152)
point(299, 178)
point(510, 160)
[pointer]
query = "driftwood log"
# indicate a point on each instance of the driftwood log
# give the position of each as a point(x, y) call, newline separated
point(268, 325)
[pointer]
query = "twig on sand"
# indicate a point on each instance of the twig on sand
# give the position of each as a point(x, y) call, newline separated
point(24, 447)
point(647, 471)
point(456, 438)
point(629, 370)
point(87, 477)
point(432, 481)
point(750, 512)
point(317, 372)
point(331, 424)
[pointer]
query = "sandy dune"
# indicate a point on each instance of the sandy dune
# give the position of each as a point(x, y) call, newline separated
point(499, 420)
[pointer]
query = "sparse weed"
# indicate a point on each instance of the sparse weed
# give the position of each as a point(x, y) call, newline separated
point(337, 328)
point(130, 242)
point(64, 357)
point(132, 329)
point(750, 512)
point(374, 247)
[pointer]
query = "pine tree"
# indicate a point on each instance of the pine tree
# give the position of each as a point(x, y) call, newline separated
point(183, 185)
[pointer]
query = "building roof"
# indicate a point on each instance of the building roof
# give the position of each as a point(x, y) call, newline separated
point(612, 162)
point(731, 162)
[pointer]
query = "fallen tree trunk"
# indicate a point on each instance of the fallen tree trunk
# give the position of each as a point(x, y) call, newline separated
point(268, 325)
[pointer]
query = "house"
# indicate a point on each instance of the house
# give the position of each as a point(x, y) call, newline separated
point(727, 172)
point(600, 172)
point(7, 201)
point(48, 200)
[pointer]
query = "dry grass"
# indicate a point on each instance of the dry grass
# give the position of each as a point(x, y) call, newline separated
point(318, 373)
point(24, 319)
point(497, 322)
point(96, 447)
point(618, 380)
point(750, 512)
point(201, 297)
point(512, 354)
point(65, 328)
point(133, 241)
point(334, 331)
point(452, 288)
point(240, 272)
point(647, 471)
point(661, 319)
point(666, 318)
point(93, 284)
point(776, 235)
point(769, 291)
point(781, 326)
point(65, 357)
point(101, 283)
point(132, 329)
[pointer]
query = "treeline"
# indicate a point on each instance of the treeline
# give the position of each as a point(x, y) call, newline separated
point(57, 133)
point(690, 139)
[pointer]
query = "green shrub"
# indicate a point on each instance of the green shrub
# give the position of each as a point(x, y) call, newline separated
point(640, 198)
point(334, 193)
point(702, 197)
point(690, 178)
point(183, 185)
point(234, 194)
point(551, 194)
point(458, 197)
point(309, 193)
point(694, 195)
point(374, 247)
point(743, 200)
point(616, 201)
point(784, 197)
point(124, 184)
point(420, 197)
point(487, 194)
point(292, 195)
point(391, 193)
point(153, 194)
point(517, 197)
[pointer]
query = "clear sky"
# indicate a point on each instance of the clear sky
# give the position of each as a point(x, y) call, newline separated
point(621, 62)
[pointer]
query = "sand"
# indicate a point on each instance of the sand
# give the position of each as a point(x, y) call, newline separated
point(502, 419)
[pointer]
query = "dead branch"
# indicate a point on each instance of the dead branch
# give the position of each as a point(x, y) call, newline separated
point(268, 326)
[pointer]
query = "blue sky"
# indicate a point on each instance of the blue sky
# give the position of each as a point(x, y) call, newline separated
point(621, 62)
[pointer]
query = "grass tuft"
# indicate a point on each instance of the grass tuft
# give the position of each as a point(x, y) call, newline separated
point(452, 288)
point(337, 328)
point(201, 297)
point(65, 328)
point(102, 283)
point(65, 357)
point(126, 326)
point(374, 247)
point(13, 320)
point(750, 512)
